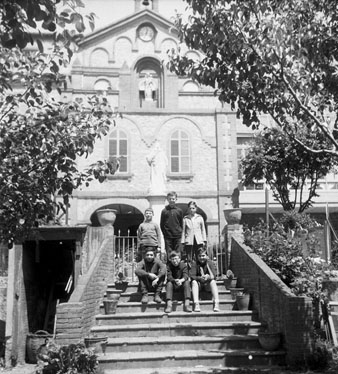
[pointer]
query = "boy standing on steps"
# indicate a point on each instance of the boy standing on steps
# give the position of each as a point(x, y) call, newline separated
point(148, 235)
point(177, 278)
point(171, 224)
point(203, 275)
point(151, 273)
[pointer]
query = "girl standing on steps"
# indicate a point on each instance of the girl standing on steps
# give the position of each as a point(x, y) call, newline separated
point(193, 234)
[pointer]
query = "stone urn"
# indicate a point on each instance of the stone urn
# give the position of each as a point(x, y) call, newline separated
point(106, 217)
point(232, 215)
point(269, 341)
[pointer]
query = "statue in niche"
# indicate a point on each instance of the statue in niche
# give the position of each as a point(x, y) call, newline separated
point(148, 87)
point(158, 162)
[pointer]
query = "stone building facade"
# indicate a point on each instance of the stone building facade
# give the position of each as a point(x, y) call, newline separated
point(124, 59)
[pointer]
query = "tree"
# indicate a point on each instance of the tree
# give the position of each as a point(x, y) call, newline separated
point(291, 171)
point(42, 136)
point(267, 56)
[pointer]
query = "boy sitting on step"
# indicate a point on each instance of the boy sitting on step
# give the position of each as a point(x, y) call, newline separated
point(177, 278)
point(203, 275)
point(151, 274)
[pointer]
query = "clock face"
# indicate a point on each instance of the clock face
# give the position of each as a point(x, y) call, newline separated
point(146, 33)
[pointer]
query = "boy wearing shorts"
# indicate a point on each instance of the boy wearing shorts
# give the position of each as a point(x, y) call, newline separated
point(203, 275)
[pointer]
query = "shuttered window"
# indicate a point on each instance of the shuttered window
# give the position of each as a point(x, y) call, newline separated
point(118, 147)
point(180, 152)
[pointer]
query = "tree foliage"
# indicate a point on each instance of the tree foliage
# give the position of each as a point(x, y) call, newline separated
point(291, 171)
point(41, 135)
point(267, 56)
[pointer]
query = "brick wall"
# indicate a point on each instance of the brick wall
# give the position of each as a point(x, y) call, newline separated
point(74, 318)
point(276, 305)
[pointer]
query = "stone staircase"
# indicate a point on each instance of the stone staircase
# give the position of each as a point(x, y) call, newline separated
point(143, 339)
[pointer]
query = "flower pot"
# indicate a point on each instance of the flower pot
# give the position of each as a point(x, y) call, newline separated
point(113, 294)
point(232, 216)
point(110, 306)
point(235, 291)
point(121, 285)
point(106, 217)
point(243, 301)
point(98, 343)
point(230, 283)
point(269, 341)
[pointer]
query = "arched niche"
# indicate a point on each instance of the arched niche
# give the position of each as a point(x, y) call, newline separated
point(149, 77)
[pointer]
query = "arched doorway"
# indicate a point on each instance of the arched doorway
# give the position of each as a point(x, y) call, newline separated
point(128, 218)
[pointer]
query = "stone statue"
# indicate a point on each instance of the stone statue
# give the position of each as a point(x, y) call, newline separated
point(158, 162)
point(235, 198)
point(148, 86)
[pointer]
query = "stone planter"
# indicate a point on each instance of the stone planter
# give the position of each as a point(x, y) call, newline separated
point(230, 283)
point(236, 291)
point(110, 306)
point(269, 341)
point(113, 294)
point(98, 343)
point(106, 217)
point(232, 216)
point(242, 301)
point(121, 285)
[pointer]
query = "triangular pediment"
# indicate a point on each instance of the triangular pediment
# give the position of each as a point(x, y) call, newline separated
point(132, 21)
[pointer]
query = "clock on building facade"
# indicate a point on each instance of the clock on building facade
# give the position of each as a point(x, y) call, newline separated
point(146, 33)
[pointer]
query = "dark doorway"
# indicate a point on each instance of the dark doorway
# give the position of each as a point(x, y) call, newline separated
point(48, 268)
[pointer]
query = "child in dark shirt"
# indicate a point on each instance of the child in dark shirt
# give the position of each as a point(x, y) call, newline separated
point(151, 273)
point(171, 224)
point(177, 278)
point(203, 275)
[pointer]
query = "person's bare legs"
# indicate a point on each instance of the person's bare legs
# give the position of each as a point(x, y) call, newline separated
point(195, 295)
point(214, 293)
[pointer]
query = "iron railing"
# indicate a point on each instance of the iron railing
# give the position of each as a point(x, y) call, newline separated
point(126, 255)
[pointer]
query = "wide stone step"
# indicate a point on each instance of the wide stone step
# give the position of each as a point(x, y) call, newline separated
point(137, 296)
point(133, 286)
point(173, 328)
point(157, 359)
point(161, 317)
point(164, 343)
point(133, 307)
point(202, 369)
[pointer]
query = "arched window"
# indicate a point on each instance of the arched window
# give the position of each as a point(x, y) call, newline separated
point(118, 147)
point(180, 152)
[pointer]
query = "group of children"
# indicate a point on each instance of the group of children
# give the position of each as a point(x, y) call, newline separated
point(182, 236)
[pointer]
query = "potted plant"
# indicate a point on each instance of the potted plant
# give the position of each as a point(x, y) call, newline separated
point(269, 340)
point(230, 281)
point(97, 343)
point(110, 306)
point(72, 358)
point(236, 291)
point(113, 294)
point(242, 300)
point(121, 282)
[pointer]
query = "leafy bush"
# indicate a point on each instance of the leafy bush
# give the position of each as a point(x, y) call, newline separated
point(69, 359)
point(291, 251)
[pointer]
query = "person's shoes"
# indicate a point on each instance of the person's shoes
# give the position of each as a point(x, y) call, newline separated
point(157, 298)
point(144, 299)
point(187, 307)
point(169, 307)
point(197, 307)
point(216, 306)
